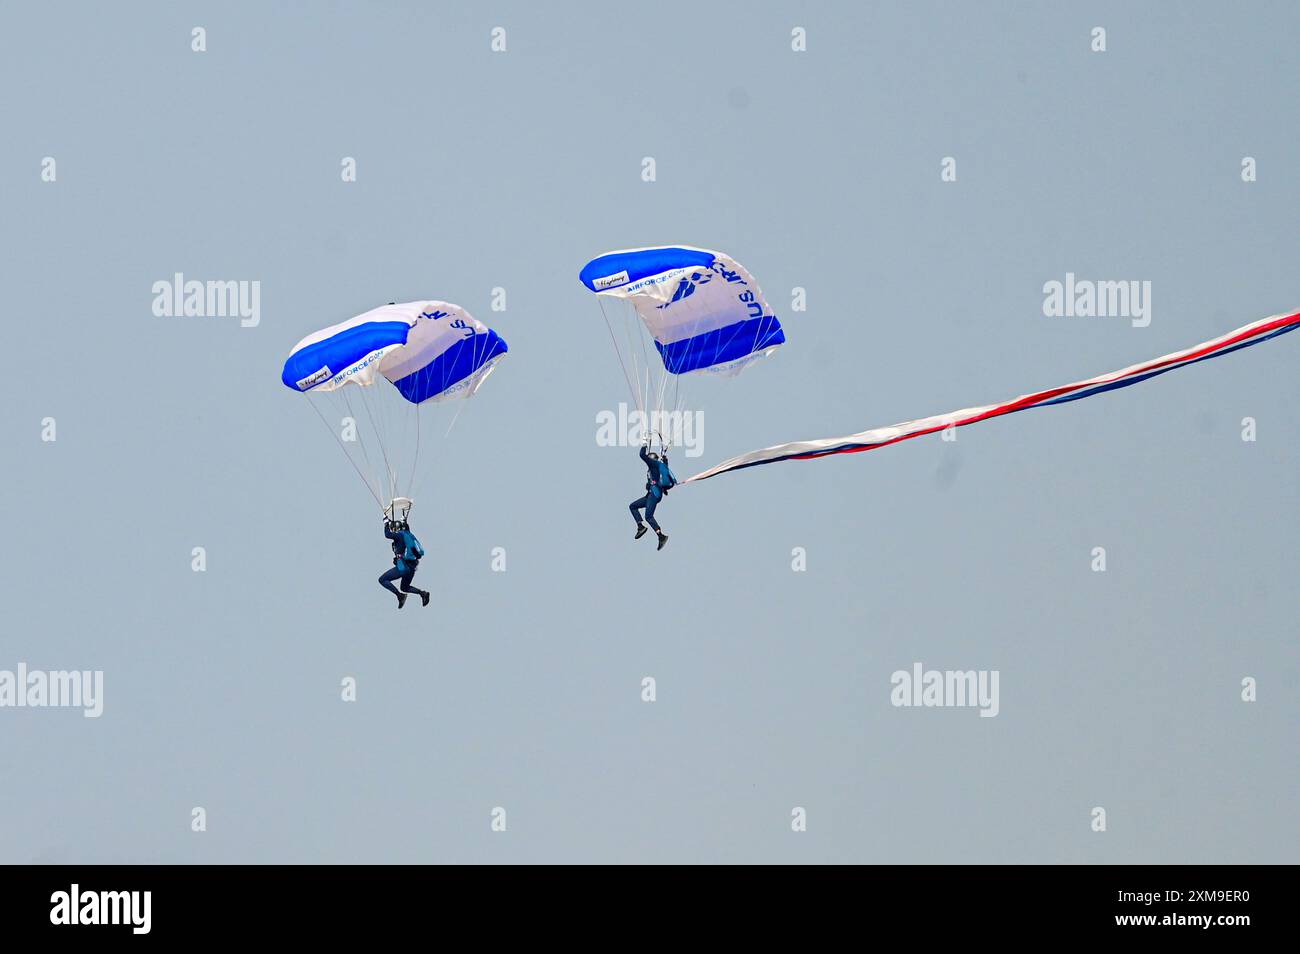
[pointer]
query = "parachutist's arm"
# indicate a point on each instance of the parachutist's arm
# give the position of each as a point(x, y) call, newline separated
point(643, 455)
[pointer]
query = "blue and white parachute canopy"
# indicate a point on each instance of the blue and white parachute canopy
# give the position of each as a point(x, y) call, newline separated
point(1244, 337)
point(429, 350)
point(703, 310)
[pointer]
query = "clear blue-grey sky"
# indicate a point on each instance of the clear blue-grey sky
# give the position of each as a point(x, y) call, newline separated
point(523, 689)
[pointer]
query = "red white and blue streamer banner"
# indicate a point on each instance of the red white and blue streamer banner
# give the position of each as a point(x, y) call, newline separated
point(884, 436)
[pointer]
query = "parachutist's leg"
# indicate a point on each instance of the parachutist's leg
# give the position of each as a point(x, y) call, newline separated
point(406, 583)
point(635, 506)
point(651, 501)
point(408, 588)
point(386, 581)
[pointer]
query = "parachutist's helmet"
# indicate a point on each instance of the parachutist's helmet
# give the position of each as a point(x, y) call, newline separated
point(654, 456)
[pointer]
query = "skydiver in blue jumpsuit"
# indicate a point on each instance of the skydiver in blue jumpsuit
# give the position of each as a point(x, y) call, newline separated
point(406, 560)
point(659, 480)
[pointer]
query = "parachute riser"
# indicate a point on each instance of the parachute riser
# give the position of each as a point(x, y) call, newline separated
point(404, 504)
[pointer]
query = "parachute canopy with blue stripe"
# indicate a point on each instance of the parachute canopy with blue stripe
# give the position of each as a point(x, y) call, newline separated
point(428, 350)
point(703, 310)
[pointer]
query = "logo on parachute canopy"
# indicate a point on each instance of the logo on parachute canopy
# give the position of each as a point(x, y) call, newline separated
point(609, 281)
point(686, 287)
point(309, 382)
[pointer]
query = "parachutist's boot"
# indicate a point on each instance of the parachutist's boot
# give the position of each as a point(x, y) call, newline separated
point(641, 528)
point(663, 538)
point(424, 597)
point(401, 600)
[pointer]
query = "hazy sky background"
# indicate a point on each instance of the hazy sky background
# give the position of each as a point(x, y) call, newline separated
point(522, 689)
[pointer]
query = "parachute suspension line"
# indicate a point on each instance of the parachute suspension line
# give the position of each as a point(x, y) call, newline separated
point(645, 391)
point(480, 348)
point(614, 341)
point(379, 425)
point(661, 378)
point(652, 379)
point(393, 433)
point(374, 438)
point(635, 322)
point(678, 397)
point(641, 389)
point(365, 455)
point(460, 403)
point(364, 481)
point(460, 406)
point(395, 437)
point(372, 469)
point(379, 430)
point(664, 380)
point(765, 326)
point(731, 338)
point(633, 333)
point(415, 459)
